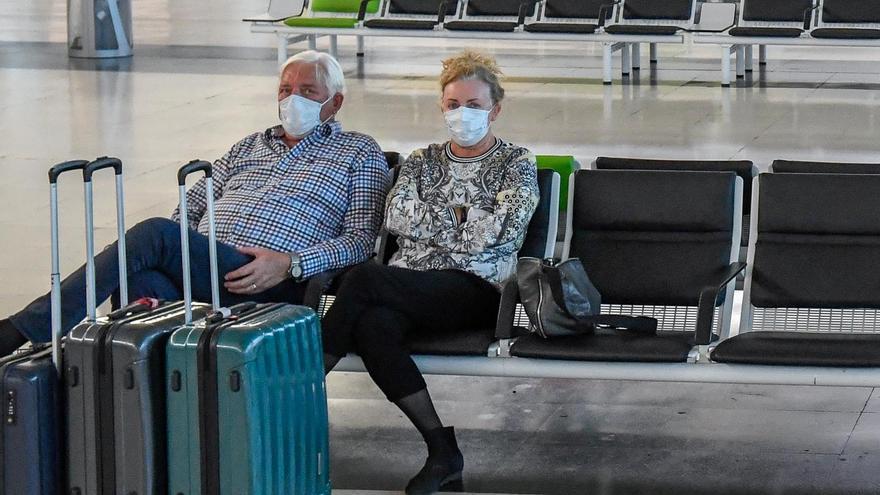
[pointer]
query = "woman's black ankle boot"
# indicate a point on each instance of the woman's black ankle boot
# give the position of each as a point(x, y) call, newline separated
point(444, 465)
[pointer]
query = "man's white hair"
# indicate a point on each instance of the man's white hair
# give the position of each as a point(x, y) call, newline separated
point(327, 70)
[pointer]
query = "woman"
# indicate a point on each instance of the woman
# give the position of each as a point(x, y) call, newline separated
point(460, 211)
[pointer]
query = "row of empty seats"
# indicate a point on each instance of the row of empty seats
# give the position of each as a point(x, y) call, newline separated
point(621, 25)
point(666, 243)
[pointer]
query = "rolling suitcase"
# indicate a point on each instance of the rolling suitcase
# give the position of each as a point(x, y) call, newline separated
point(247, 407)
point(30, 440)
point(115, 389)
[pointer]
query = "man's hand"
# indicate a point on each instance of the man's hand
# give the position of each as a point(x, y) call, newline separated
point(268, 269)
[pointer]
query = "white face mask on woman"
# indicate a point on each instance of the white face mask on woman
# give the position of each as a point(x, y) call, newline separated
point(299, 115)
point(467, 126)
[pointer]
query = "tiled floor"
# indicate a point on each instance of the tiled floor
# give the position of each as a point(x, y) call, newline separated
point(199, 82)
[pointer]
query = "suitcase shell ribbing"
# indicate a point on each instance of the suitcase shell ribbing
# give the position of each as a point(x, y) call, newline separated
point(247, 408)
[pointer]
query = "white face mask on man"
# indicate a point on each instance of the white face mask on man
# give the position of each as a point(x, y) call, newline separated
point(467, 126)
point(299, 115)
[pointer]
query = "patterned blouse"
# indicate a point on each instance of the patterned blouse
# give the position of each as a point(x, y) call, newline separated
point(500, 190)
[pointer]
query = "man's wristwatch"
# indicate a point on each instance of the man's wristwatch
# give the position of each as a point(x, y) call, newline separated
point(295, 270)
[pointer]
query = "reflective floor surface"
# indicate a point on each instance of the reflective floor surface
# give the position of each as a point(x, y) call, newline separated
point(199, 81)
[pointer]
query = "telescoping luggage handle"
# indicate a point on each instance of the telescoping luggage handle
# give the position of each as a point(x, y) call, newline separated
point(88, 171)
point(191, 168)
point(55, 297)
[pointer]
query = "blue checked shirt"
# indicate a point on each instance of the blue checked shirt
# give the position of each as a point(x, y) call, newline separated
point(323, 198)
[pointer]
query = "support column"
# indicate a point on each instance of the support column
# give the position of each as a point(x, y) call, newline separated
point(334, 46)
point(653, 53)
point(313, 42)
point(281, 39)
point(606, 63)
point(726, 51)
point(762, 54)
point(360, 48)
point(749, 58)
point(636, 56)
point(740, 61)
point(625, 61)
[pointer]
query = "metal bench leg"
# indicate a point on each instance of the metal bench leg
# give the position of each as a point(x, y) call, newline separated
point(360, 43)
point(653, 50)
point(762, 54)
point(626, 61)
point(636, 56)
point(606, 63)
point(313, 42)
point(334, 46)
point(726, 51)
point(749, 58)
point(740, 62)
point(282, 48)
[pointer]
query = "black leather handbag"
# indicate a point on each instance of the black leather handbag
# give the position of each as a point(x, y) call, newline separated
point(560, 300)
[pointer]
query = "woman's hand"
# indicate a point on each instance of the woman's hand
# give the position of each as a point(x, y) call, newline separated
point(268, 269)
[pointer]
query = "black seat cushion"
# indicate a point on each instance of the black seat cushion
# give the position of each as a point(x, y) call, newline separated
point(800, 349)
point(652, 9)
point(846, 33)
point(665, 347)
point(772, 32)
point(850, 11)
point(461, 343)
point(508, 27)
point(400, 24)
point(775, 10)
point(535, 242)
point(805, 167)
point(560, 27)
point(641, 29)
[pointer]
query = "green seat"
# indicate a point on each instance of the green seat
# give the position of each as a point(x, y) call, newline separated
point(332, 7)
point(564, 165)
point(322, 22)
point(343, 6)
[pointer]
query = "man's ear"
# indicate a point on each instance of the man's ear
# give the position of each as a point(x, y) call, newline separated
point(337, 102)
point(495, 111)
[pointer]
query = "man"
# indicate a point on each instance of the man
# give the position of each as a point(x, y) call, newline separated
point(292, 201)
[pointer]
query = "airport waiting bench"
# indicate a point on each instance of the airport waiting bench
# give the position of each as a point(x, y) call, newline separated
point(808, 23)
point(665, 244)
point(618, 25)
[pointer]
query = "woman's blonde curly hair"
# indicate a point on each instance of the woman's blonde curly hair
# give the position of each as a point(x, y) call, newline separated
point(471, 64)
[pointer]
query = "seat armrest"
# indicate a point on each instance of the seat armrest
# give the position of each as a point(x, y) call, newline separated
point(318, 286)
point(507, 309)
point(362, 10)
point(441, 14)
point(708, 296)
point(603, 12)
point(808, 16)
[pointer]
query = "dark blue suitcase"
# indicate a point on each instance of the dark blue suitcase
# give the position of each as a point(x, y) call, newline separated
point(30, 436)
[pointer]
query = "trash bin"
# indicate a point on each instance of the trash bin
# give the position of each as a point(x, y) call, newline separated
point(99, 28)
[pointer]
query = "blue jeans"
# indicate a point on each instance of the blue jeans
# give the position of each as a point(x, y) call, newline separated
point(155, 269)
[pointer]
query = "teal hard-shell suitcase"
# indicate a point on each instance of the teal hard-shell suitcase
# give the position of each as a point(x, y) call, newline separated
point(247, 407)
point(246, 399)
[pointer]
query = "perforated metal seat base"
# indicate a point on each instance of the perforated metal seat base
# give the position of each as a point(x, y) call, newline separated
point(665, 347)
point(560, 27)
point(640, 29)
point(772, 32)
point(400, 24)
point(800, 349)
point(505, 27)
point(846, 33)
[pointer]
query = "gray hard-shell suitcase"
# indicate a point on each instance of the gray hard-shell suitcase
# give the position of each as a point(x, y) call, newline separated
point(115, 386)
